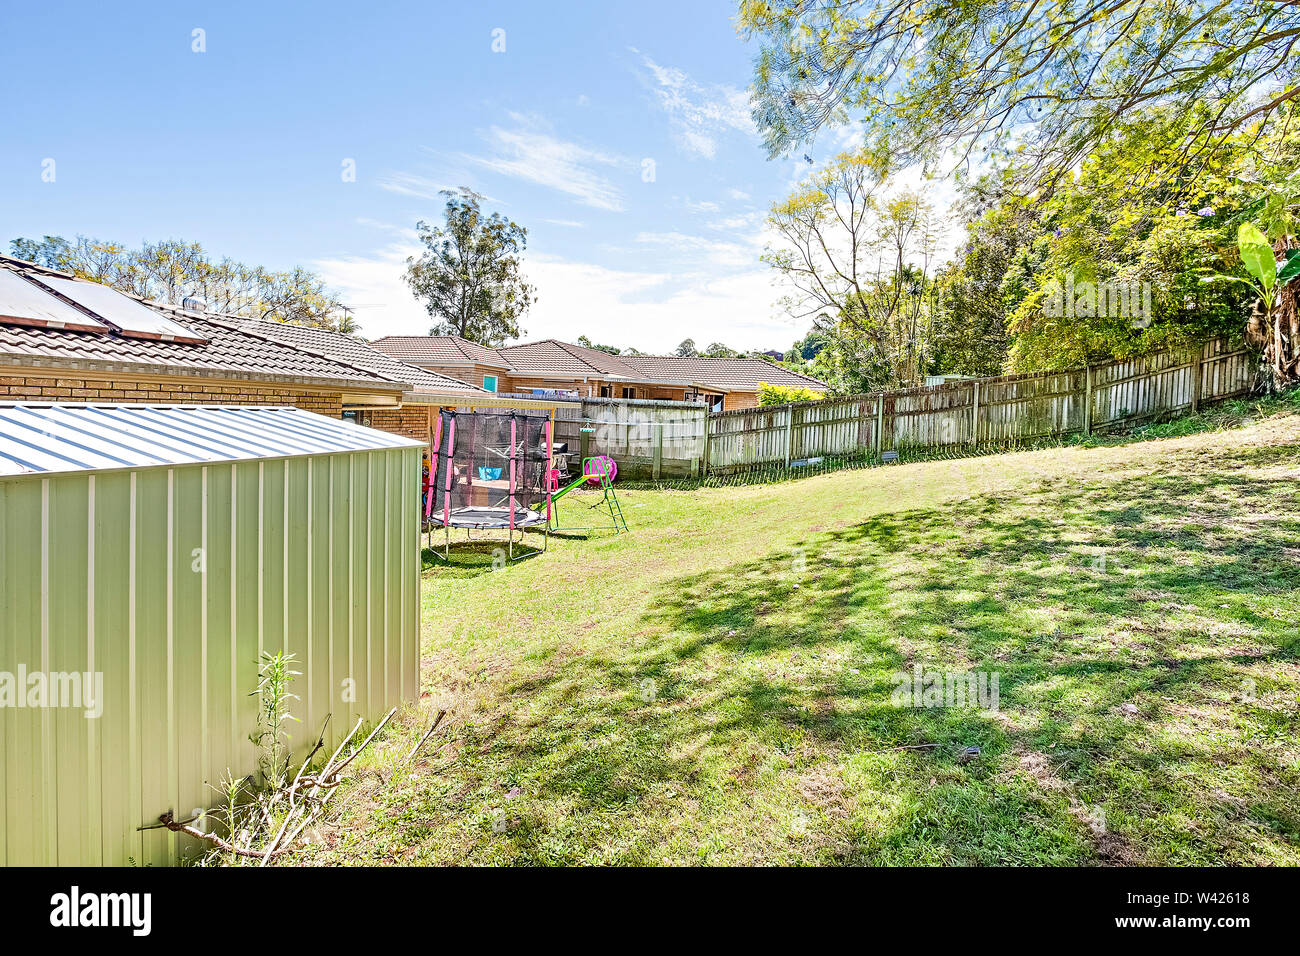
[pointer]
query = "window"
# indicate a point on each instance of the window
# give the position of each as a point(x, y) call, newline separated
point(490, 383)
point(629, 393)
point(604, 391)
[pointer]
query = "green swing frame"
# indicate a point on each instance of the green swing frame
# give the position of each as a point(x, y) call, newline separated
point(608, 499)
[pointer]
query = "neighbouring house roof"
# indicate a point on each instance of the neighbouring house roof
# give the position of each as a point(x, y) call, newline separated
point(359, 354)
point(224, 348)
point(732, 374)
point(551, 358)
point(443, 350)
point(38, 438)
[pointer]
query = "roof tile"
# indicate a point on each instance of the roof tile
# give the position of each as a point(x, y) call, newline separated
point(359, 353)
point(438, 350)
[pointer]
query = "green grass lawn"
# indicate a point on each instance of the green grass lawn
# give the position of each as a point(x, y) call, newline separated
point(716, 686)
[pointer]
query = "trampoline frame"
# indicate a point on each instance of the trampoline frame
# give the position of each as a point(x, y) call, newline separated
point(509, 504)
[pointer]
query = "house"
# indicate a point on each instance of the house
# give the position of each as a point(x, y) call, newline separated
point(64, 339)
point(450, 355)
point(427, 391)
point(424, 391)
point(554, 366)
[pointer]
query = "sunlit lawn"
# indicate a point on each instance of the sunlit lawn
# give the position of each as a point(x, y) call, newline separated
point(716, 686)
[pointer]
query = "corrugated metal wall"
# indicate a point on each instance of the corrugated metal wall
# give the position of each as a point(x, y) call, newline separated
point(171, 582)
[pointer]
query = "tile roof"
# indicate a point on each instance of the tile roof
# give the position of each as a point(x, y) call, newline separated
point(553, 357)
point(438, 350)
point(737, 374)
point(358, 353)
point(228, 349)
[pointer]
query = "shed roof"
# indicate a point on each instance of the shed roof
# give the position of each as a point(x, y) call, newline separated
point(40, 438)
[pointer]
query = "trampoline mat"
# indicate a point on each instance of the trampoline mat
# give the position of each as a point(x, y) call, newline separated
point(485, 517)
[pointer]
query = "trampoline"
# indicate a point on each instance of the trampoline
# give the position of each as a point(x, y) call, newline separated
point(490, 475)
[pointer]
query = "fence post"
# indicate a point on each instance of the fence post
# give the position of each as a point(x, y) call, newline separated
point(975, 414)
point(704, 452)
point(659, 448)
point(1087, 400)
point(789, 434)
point(880, 424)
point(1196, 378)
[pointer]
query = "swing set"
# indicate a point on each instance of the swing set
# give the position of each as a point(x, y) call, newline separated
point(495, 472)
point(598, 470)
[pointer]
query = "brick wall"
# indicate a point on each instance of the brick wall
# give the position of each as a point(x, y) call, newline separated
point(413, 421)
point(19, 384)
point(739, 400)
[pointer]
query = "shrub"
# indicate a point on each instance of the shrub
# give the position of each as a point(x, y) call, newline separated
point(785, 394)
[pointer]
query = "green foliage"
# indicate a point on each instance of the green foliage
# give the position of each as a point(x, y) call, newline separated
point(468, 276)
point(1043, 81)
point(274, 674)
point(811, 344)
point(588, 343)
point(1116, 223)
point(854, 252)
point(1267, 274)
point(687, 349)
point(785, 394)
point(993, 267)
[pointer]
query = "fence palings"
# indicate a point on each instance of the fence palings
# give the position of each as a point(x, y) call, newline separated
point(997, 410)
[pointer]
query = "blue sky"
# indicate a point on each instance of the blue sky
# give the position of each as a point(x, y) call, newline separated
point(242, 147)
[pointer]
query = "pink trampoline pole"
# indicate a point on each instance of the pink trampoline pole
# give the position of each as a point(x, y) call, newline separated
point(512, 486)
point(446, 494)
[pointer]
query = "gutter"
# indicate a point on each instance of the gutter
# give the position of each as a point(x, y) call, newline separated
point(57, 363)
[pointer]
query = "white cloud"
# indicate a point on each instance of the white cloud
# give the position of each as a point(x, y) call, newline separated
point(651, 310)
point(569, 223)
point(412, 184)
point(698, 113)
point(739, 194)
point(372, 286)
point(404, 233)
point(699, 250)
point(747, 223)
point(654, 311)
point(529, 151)
point(703, 205)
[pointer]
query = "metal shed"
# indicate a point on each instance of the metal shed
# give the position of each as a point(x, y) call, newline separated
point(148, 555)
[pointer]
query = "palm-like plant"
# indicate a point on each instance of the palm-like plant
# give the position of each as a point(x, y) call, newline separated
point(1268, 276)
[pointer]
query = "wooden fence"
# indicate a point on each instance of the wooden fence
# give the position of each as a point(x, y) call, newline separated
point(648, 439)
point(987, 411)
